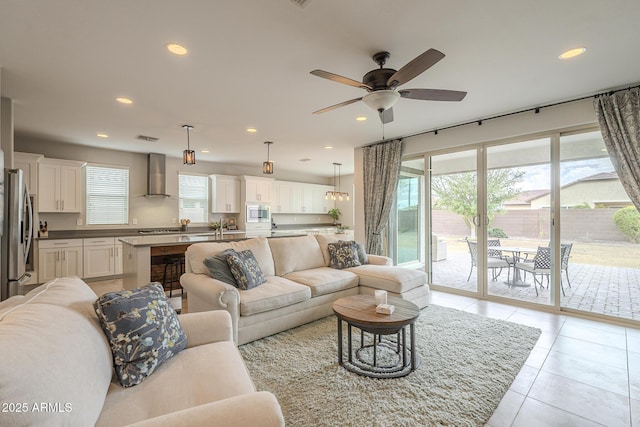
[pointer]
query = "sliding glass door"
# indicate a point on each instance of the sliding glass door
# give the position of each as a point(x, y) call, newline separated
point(408, 215)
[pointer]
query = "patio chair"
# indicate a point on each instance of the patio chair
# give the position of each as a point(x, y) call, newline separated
point(539, 266)
point(492, 262)
point(495, 253)
point(565, 253)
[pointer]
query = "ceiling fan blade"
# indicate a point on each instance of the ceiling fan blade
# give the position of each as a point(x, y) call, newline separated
point(433, 94)
point(333, 107)
point(418, 65)
point(339, 79)
point(386, 116)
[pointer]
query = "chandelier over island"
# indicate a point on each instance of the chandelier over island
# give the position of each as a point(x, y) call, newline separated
point(336, 194)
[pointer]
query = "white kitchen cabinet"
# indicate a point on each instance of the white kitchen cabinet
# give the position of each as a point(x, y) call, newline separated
point(60, 185)
point(99, 257)
point(281, 197)
point(118, 257)
point(301, 198)
point(225, 194)
point(320, 203)
point(59, 258)
point(256, 189)
point(28, 162)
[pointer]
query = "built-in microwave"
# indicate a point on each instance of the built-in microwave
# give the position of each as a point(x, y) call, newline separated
point(258, 213)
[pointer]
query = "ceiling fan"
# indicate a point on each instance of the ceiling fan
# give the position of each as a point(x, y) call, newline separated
point(382, 84)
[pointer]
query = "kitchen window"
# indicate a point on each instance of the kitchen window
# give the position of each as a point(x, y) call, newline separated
point(107, 198)
point(194, 197)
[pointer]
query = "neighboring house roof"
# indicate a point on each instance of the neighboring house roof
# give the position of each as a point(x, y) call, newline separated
point(526, 197)
point(596, 177)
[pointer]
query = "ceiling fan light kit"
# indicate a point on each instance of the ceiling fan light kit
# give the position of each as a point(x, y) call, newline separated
point(381, 84)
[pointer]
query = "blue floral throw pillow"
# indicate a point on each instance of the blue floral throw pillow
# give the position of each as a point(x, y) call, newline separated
point(343, 254)
point(142, 328)
point(245, 269)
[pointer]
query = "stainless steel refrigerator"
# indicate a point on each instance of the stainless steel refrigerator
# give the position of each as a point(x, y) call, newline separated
point(17, 231)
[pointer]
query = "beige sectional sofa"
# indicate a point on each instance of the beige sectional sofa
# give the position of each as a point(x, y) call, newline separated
point(57, 370)
point(300, 286)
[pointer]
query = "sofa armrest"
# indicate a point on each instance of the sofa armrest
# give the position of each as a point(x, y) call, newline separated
point(204, 293)
point(379, 260)
point(255, 409)
point(206, 327)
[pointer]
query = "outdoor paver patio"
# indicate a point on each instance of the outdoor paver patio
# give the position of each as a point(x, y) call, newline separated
point(613, 291)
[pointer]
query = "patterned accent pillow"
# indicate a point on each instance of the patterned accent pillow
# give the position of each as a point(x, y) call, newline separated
point(362, 253)
point(245, 269)
point(343, 255)
point(219, 267)
point(142, 328)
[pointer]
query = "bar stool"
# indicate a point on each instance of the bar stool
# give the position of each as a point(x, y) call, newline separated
point(175, 265)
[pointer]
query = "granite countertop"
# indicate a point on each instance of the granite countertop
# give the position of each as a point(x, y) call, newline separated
point(302, 226)
point(133, 232)
point(182, 239)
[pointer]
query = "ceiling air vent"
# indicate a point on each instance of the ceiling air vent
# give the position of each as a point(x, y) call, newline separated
point(147, 138)
point(301, 3)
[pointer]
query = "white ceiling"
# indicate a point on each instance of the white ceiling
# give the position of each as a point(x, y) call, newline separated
point(65, 61)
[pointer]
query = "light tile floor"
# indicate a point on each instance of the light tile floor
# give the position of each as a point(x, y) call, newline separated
point(580, 373)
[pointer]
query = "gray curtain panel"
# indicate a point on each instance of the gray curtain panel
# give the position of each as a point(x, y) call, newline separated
point(619, 120)
point(381, 171)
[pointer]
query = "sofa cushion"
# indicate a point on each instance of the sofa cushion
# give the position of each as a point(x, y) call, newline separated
point(143, 330)
point(197, 376)
point(245, 269)
point(324, 280)
point(275, 293)
point(295, 254)
point(389, 278)
point(219, 267)
point(50, 346)
point(198, 252)
point(343, 255)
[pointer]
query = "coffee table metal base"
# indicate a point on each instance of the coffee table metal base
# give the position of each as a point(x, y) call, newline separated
point(366, 359)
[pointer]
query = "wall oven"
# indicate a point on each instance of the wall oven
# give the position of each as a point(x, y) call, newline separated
point(258, 213)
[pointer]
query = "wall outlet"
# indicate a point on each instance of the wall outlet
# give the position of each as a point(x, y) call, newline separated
point(79, 221)
point(134, 221)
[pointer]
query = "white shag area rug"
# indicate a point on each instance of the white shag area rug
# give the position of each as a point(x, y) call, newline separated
point(467, 364)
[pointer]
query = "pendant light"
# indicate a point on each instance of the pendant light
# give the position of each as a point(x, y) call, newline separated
point(336, 195)
point(267, 167)
point(188, 155)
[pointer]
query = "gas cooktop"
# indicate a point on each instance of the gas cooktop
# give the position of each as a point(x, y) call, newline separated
point(160, 231)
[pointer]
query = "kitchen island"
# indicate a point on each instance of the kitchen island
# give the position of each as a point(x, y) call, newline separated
point(140, 251)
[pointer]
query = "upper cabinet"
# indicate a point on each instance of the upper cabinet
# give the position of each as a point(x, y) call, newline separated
point(225, 194)
point(256, 189)
point(28, 162)
point(282, 192)
point(60, 185)
point(299, 197)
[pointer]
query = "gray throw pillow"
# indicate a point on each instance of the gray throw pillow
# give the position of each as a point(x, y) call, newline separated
point(343, 254)
point(219, 268)
point(142, 328)
point(245, 269)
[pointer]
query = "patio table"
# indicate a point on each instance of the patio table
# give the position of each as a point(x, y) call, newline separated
point(515, 251)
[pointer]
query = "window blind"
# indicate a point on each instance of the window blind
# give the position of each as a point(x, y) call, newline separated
point(194, 197)
point(107, 195)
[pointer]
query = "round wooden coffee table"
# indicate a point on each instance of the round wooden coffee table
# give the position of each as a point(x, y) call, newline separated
point(376, 356)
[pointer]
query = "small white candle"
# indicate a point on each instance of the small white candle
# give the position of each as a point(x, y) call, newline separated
point(381, 297)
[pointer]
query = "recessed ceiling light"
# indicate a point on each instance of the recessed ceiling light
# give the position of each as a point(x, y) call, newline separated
point(328, 147)
point(176, 49)
point(305, 160)
point(124, 100)
point(361, 118)
point(102, 135)
point(252, 130)
point(572, 53)
point(205, 151)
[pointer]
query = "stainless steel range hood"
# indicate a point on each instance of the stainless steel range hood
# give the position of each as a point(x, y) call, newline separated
point(156, 176)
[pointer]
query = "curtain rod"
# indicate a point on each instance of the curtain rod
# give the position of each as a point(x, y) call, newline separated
point(535, 109)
